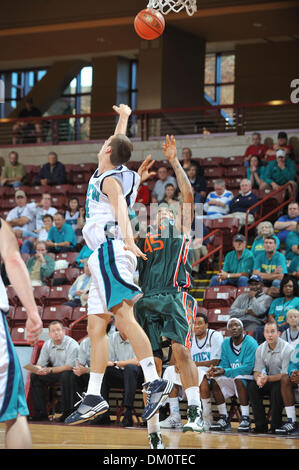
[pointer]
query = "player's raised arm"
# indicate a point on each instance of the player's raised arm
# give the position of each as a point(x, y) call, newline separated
point(19, 277)
point(124, 113)
point(170, 152)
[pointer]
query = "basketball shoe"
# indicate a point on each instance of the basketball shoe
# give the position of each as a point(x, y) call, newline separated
point(157, 392)
point(91, 406)
point(195, 422)
point(245, 424)
point(222, 424)
point(155, 441)
point(173, 421)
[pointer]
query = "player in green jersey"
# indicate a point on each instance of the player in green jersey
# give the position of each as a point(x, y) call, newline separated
point(167, 309)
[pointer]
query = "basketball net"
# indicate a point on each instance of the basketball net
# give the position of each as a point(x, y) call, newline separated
point(165, 6)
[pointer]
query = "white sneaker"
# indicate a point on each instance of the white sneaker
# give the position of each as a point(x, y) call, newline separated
point(195, 422)
point(207, 421)
point(172, 421)
point(155, 441)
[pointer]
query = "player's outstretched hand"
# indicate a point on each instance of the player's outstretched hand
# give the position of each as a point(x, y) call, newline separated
point(131, 246)
point(34, 327)
point(144, 169)
point(169, 148)
point(122, 109)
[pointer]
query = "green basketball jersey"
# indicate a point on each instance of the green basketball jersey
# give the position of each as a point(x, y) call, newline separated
point(168, 265)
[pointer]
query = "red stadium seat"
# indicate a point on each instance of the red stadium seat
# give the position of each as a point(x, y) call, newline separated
point(78, 327)
point(79, 189)
point(70, 256)
point(10, 315)
point(221, 296)
point(13, 299)
point(229, 227)
point(62, 313)
point(218, 317)
point(58, 295)
point(37, 191)
point(8, 203)
point(72, 274)
point(210, 161)
point(60, 189)
point(79, 312)
point(214, 172)
point(203, 310)
point(20, 315)
point(41, 293)
point(243, 290)
point(18, 333)
point(59, 202)
point(233, 183)
point(233, 161)
point(235, 171)
point(80, 178)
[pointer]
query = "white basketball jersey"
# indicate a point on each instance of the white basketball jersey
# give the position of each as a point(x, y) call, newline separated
point(100, 219)
point(4, 305)
point(208, 348)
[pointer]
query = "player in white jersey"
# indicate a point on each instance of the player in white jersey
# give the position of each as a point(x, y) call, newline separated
point(205, 352)
point(13, 407)
point(108, 232)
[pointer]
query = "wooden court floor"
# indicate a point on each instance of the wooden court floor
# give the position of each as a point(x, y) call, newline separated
point(61, 436)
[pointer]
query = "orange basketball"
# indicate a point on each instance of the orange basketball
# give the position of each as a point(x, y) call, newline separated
point(149, 24)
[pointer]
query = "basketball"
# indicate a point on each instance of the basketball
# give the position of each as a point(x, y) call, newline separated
point(149, 24)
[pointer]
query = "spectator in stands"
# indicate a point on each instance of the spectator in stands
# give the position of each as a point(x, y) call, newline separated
point(252, 306)
point(287, 223)
point(72, 213)
point(256, 148)
point(170, 194)
point(242, 202)
point(294, 267)
point(51, 173)
point(83, 256)
point(205, 352)
point(279, 172)
point(56, 361)
point(81, 220)
point(123, 371)
point(264, 229)
point(21, 129)
point(19, 217)
point(237, 267)
point(61, 237)
point(293, 371)
point(271, 365)
point(282, 144)
point(163, 179)
point(255, 172)
point(270, 264)
point(78, 293)
point(217, 202)
point(287, 300)
point(232, 375)
point(143, 195)
point(291, 334)
point(292, 244)
point(13, 173)
point(198, 183)
point(38, 210)
point(47, 223)
point(40, 266)
point(187, 161)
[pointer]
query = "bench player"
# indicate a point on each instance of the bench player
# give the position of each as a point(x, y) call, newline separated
point(108, 232)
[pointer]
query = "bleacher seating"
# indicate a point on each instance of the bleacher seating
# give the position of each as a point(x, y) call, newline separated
point(62, 313)
point(221, 296)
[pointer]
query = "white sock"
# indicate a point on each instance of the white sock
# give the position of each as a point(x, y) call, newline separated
point(174, 406)
point(291, 413)
point(149, 369)
point(153, 424)
point(244, 410)
point(206, 407)
point(94, 384)
point(222, 409)
point(193, 398)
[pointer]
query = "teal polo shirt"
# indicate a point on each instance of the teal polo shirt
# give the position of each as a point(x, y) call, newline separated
point(65, 234)
point(234, 265)
point(292, 239)
point(280, 307)
point(294, 266)
point(265, 265)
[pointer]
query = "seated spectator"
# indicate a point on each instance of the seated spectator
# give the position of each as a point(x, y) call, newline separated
point(237, 266)
point(42, 234)
point(38, 210)
point(143, 195)
point(21, 129)
point(187, 161)
point(294, 267)
point(292, 244)
point(242, 202)
point(291, 334)
point(170, 195)
point(287, 223)
point(56, 361)
point(13, 173)
point(264, 229)
point(83, 256)
point(271, 365)
point(234, 372)
point(51, 173)
point(198, 183)
point(40, 266)
point(78, 293)
point(256, 148)
point(81, 220)
point(282, 144)
point(123, 371)
point(255, 172)
point(217, 202)
point(205, 352)
point(61, 237)
point(252, 307)
point(270, 264)
point(287, 300)
point(279, 172)
point(19, 217)
point(293, 371)
point(72, 213)
point(163, 179)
